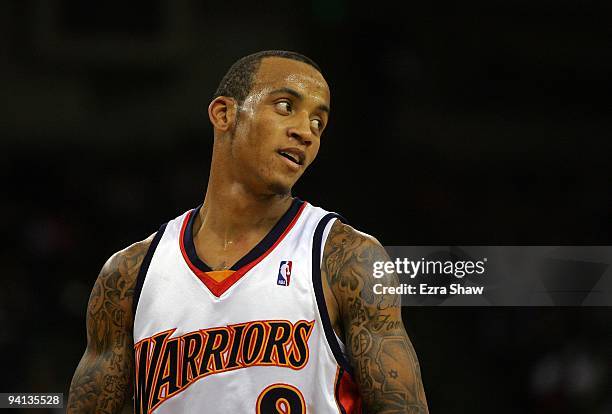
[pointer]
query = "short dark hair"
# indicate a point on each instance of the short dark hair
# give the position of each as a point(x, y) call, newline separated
point(238, 80)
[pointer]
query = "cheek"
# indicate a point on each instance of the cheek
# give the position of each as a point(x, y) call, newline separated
point(249, 137)
point(264, 129)
point(313, 151)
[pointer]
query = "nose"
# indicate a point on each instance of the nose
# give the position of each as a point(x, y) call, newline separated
point(300, 130)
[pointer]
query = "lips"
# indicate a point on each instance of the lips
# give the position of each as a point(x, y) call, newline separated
point(294, 155)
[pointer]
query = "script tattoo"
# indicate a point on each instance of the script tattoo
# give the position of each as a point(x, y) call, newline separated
point(383, 358)
point(102, 381)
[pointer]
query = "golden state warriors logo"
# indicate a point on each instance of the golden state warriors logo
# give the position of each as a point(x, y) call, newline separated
point(284, 273)
point(165, 366)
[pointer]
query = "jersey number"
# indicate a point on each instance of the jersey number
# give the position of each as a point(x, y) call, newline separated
point(281, 399)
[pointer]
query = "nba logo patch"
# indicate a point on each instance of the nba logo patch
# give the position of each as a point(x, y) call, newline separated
point(284, 273)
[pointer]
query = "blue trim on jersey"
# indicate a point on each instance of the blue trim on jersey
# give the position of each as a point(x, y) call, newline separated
point(257, 251)
point(144, 267)
point(320, 296)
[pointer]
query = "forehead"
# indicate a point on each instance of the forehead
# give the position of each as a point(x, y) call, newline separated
point(277, 73)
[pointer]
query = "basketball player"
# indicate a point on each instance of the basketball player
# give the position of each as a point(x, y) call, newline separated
point(256, 301)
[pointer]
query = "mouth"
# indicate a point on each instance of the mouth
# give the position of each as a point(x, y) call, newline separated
point(294, 155)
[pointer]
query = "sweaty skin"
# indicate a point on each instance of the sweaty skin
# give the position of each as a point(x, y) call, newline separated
point(286, 110)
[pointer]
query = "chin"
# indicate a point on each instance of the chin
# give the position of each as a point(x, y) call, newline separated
point(280, 188)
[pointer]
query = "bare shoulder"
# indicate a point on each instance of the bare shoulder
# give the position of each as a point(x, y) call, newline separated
point(117, 279)
point(112, 294)
point(126, 262)
point(346, 248)
point(341, 231)
point(347, 270)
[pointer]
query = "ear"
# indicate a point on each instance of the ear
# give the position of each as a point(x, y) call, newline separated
point(222, 113)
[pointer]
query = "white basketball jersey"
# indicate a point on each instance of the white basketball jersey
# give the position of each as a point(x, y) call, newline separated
point(257, 341)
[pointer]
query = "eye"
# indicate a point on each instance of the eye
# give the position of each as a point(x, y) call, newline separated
point(316, 124)
point(283, 107)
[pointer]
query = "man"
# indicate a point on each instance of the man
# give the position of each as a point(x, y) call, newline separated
point(244, 303)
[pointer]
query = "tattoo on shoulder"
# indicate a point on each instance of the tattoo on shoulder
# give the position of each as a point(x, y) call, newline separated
point(385, 363)
point(102, 381)
point(348, 259)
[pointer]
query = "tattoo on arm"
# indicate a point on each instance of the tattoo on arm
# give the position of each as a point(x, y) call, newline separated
point(385, 363)
point(102, 381)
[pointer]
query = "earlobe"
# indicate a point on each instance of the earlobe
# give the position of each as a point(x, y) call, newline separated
point(222, 113)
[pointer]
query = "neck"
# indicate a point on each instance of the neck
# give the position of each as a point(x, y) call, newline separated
point(231, 210)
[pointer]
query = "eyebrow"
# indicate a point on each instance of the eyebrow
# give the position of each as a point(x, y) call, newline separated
point(299, 96)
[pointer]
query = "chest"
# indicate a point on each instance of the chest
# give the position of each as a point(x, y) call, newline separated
point(221, 253)
point(274, 283)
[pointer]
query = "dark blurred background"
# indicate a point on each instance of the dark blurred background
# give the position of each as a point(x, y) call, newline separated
point(479, 123)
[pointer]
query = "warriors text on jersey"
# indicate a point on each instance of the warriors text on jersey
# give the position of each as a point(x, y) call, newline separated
point(253, 339)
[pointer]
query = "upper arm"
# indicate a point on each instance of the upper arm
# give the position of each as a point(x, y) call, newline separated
point(102, 381)
point(384, 361)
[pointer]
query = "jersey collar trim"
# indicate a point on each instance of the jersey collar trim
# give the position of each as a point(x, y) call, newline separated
point(242, 266)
